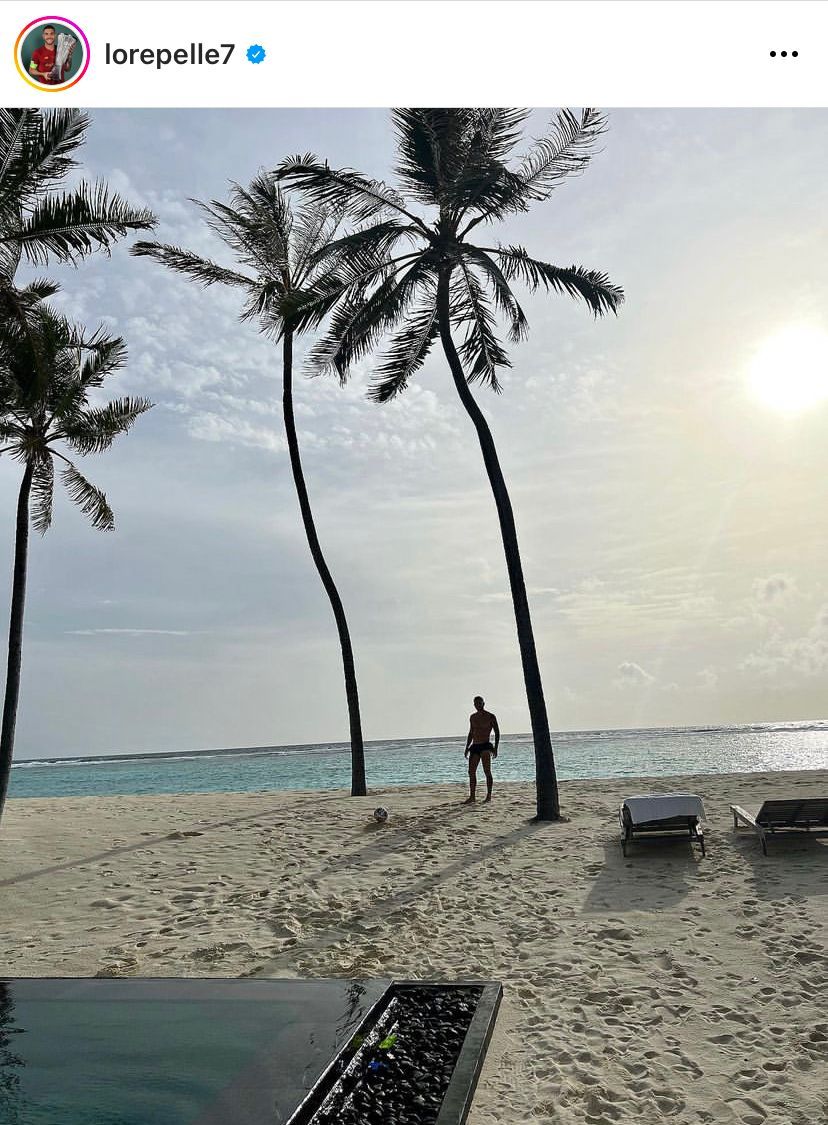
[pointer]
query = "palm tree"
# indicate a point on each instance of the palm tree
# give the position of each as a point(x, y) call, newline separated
point(455, 164)
point(47, 371)
point(290, 284)
point(38, 223)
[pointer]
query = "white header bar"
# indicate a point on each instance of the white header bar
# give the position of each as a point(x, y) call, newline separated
point(414, 52)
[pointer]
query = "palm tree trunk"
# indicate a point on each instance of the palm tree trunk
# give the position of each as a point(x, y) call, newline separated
point(358, 788)
point(546, 782)
point(21, 554)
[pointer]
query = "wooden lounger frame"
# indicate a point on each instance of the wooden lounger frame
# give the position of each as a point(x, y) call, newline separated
point(668, 828)
point(807, 815)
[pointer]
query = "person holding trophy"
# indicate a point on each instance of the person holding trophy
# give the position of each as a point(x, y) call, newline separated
point(51, 61)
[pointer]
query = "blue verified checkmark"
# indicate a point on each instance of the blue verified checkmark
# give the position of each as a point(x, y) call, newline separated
point(256, 53)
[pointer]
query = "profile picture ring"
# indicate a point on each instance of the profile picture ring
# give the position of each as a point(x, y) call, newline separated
point(52, 53)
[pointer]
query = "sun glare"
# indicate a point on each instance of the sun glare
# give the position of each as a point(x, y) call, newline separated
point(790, 370)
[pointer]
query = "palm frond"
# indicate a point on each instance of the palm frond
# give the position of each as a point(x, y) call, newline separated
point(357, 323)
point(375, 240)
point(505, 299)
point(18, 305)
point(91, 501)
point(594, 288)
point(96, 428)
point(265, 200)
point(11, 255)
point(408, 348)
point(36, 153)
point(202, 270)
point(343, 189)
point(452, 157)
point(430, 145)
point(14, 124)
point(256, 225)
point(33, 341)
point(11, 428)
point(481, 353)
point(43, 488)
point(74, 224)
point(497, 130)
point(483, 174)
point(104, 354)
point(58, 136)
point(314, 229)
point(41, 289)
point(565, 151)
point(303, 308)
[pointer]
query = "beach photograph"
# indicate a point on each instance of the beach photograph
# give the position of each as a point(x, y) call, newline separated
point(415, 572)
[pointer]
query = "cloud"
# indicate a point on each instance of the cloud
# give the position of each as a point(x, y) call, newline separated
point(584, 391)
point(782, 660)
point(708, 679)
point(773, 589)
point(631, 674)
point(771, 598)
point(215, 427)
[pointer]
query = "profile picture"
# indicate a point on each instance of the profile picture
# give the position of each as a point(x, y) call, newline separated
point(52, 53)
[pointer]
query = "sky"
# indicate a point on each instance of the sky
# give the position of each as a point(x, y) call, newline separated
point(671, 519)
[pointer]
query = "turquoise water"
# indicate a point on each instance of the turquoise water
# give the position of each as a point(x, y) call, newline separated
point(88, 1063)
point(578, 754)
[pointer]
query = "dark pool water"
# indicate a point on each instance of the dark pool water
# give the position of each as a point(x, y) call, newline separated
point(169, 1052)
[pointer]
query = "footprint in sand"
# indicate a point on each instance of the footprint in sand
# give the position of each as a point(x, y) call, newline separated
point(668, 1103)
point(598, 1108)
point(749, 1111)
point(614, 934)
point(636, 1069)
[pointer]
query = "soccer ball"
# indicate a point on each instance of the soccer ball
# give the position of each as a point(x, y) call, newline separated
point(380, 815)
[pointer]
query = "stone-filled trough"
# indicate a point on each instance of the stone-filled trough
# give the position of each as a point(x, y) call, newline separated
point(415, 1060)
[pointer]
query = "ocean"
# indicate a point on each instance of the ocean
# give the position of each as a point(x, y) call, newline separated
point(417, 761)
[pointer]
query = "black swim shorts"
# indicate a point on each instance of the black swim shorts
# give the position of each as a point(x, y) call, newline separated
point(481, 748)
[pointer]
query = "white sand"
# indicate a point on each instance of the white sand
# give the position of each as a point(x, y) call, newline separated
point(660, 987)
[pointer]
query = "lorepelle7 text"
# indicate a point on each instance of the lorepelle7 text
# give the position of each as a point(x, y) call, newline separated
point(196, 54)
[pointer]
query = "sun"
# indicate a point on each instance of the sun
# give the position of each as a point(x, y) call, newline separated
point(789, 372)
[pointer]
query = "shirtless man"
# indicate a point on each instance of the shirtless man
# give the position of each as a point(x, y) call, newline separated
point(482, 724)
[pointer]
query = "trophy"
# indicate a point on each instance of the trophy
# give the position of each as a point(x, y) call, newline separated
point(63, 49)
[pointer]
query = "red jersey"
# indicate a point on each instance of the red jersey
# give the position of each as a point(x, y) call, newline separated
point(43, 59)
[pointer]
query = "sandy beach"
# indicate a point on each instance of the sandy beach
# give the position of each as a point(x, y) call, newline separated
point(660, 986)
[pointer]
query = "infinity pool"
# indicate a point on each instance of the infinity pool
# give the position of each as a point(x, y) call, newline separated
point(170, 1052)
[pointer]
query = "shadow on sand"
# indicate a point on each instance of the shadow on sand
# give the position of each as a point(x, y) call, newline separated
point(788, 855)
point(654, 875)
point(380, 909)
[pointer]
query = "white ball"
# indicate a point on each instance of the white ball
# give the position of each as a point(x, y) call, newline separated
point(380, 814)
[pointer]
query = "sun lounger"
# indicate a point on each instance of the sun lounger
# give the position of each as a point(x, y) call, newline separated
point(797, 814)
point(665, 816)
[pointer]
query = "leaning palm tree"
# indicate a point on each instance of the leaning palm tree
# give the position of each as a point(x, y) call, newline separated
point(47, 370)
point(456, 173)
point(39, 223)
point(286, 290)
